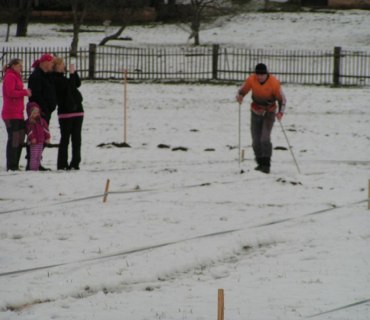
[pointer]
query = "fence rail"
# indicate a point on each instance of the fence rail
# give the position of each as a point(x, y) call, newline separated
point(214, 62)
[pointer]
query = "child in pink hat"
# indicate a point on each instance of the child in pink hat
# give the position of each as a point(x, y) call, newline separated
point(37, 134)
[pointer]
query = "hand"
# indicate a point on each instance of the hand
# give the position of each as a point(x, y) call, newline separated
point(72, 68)
point(239, 98)
point(279, 116)
point(33, 141)
point(29, 93)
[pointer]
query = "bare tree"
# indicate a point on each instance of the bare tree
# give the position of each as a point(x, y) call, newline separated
point(198, 8)
point(8, 12)
point(79, 8)
point(126, 10)
point(23, 17)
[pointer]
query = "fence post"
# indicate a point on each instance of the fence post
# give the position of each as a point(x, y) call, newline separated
point(92, 60)
point(215, 49)
point(336, 71)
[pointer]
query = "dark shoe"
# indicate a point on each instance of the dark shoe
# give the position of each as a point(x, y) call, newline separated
point(265, 162)
point(264, 169)
point(41, 168)
point(258, 168)
point(74, 168)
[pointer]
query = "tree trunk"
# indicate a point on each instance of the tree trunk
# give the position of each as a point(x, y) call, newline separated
point(25, 9)
point(195, 28)
point(79, 11)
point(7, 32)
point(196, 38)
point(75, 39)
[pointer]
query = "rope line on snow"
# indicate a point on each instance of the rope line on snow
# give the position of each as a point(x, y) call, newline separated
point(214, 234)
point(311, 213)
point(118, 254)
point(205, 184)
point(340, 308)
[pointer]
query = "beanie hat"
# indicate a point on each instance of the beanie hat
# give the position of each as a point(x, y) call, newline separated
point(31, 106)
point(43, 58)
point(261, 68)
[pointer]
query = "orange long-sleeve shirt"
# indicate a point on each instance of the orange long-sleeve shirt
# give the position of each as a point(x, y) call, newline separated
point(265, 95)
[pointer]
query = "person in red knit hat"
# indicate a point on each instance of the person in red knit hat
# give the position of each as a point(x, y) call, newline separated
point(43, 89)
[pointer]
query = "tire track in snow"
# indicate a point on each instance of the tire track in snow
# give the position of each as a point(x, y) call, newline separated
point(166, 244)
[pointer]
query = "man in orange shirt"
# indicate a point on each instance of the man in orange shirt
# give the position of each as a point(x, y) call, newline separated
point(266, 91)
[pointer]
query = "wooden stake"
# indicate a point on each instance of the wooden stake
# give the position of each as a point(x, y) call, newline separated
point(242, 155)
point(125, 106)
point(220, 313)
point(106, 191)
point(368, 197)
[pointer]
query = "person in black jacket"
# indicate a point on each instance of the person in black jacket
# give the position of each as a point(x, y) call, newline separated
point(70, 114)
point(41, 84)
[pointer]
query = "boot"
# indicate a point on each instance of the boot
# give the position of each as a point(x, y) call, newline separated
point(263, 165)
point(259, 164)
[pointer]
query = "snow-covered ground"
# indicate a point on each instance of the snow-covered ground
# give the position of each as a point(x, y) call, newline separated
point(296, 268)
point(178, 225)
point(302, 30)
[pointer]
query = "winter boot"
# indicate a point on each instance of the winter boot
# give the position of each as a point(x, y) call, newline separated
point(259, 164)
point(263, 165)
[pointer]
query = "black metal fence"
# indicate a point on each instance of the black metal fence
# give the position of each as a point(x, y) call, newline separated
point(325, 67)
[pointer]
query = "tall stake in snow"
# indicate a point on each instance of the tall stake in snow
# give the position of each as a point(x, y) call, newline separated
point(368, 197)
point(290, 147)
point(125, 107)
point(106, 191)
point(220, 306)
point(239, 133)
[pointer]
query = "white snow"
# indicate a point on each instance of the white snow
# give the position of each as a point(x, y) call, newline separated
point(348, 29)
point(300, 266)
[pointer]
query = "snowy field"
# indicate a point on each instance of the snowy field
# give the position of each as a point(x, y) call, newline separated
point(178, 225)
point(310, 31)
point(292, 269)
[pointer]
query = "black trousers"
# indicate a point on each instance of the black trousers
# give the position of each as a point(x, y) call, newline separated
point(261, 127)
point(70, 129)
point(16, 129)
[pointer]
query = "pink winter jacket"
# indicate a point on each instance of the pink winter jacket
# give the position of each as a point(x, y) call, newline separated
point(38, 130)
point(13, 95)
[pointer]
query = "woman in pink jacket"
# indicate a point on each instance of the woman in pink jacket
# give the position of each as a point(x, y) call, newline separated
point(13, 112)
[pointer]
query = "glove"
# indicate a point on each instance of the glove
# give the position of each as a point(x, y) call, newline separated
point(279, 115)
point(239, 98)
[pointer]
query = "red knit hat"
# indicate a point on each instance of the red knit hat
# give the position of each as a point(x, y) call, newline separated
point(43, 58)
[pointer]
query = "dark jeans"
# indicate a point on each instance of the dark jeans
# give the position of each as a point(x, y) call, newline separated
point(16, 129)
point(261, 127)
point(70, 129)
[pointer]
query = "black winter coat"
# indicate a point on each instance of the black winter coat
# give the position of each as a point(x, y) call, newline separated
point(69, 98)
point(43, 91)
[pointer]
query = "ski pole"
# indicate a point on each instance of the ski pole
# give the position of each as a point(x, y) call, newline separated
point(239, 137)
point(290, 147)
